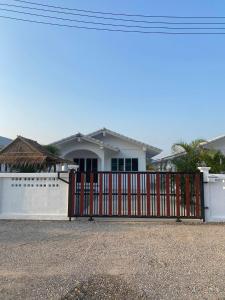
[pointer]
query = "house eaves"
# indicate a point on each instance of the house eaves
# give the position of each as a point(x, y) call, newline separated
point(209, 142)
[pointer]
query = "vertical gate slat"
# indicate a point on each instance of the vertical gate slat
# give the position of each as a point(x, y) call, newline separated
point(129, 194)
point(197, 194)
point(100, 194)
point(138, 195)
point(167, 195)
point(81, 194)
point(158, 193)
point(72, 195)
point(91, 193)
point(73, 192)
point(119, 195)
point(187, 194)
point(178, 195)
point(110, 194)
point(148, 194)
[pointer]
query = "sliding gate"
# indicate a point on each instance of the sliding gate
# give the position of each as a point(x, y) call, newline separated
point(136, 194)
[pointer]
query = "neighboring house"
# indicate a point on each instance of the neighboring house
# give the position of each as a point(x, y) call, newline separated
point(106, 150)
point(166, 163)
point(217, 143)
point(3, 143)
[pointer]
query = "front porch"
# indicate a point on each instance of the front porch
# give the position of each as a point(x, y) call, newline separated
point(88, 161)
point(90, 154)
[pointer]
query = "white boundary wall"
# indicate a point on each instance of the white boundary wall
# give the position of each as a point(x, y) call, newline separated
point(214, 196)
point(36, 196)
point(42, 196)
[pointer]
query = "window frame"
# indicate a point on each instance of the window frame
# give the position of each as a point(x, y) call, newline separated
point(127, 164)
point(85, 161)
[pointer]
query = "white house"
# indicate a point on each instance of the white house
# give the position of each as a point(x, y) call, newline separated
point(217, 143)
point(106, 150)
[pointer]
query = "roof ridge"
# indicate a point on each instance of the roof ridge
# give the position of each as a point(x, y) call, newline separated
point(101, 142)
point(66, 138)
point(37, 147)
point(214, 139)
point(87, 137)
point(125, 137)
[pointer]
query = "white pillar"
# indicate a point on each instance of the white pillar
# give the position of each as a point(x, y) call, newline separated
point(205, 171)
point(207, 194)
point(102, 160)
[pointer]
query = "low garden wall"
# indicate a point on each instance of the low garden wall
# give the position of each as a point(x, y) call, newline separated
point(40, 196)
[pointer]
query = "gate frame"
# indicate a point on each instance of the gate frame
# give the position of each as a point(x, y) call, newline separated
point(71, 195)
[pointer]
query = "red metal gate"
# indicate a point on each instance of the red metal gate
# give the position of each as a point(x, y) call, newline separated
point(136, 194)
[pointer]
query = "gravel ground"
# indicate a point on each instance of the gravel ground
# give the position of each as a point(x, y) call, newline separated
point(111, 260)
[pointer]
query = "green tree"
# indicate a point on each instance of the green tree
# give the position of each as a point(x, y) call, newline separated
point(52, 149)
point(195, 155)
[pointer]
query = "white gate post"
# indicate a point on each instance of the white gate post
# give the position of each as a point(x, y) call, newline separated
point(205, 171)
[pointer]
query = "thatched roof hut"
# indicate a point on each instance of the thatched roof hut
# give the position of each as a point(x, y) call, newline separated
point(23, 151)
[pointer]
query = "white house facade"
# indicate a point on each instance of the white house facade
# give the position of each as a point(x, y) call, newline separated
point(106, 150)
point(217, 143)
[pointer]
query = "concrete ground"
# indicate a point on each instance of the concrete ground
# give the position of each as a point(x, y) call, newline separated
point(111, 260)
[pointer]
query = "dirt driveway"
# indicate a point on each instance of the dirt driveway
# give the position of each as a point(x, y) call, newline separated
point(108, 260)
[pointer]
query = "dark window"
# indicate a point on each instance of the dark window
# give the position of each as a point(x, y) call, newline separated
point(121, 164)
point(128, 164)
point(76, 161)
point(114, 165)
point(134, 164)
point(82, 165)
point(95, 169)
point(88, 169)
point(88, 165)
point(94, 165)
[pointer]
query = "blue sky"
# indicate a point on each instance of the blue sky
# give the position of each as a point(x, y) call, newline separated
point(158, 89)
